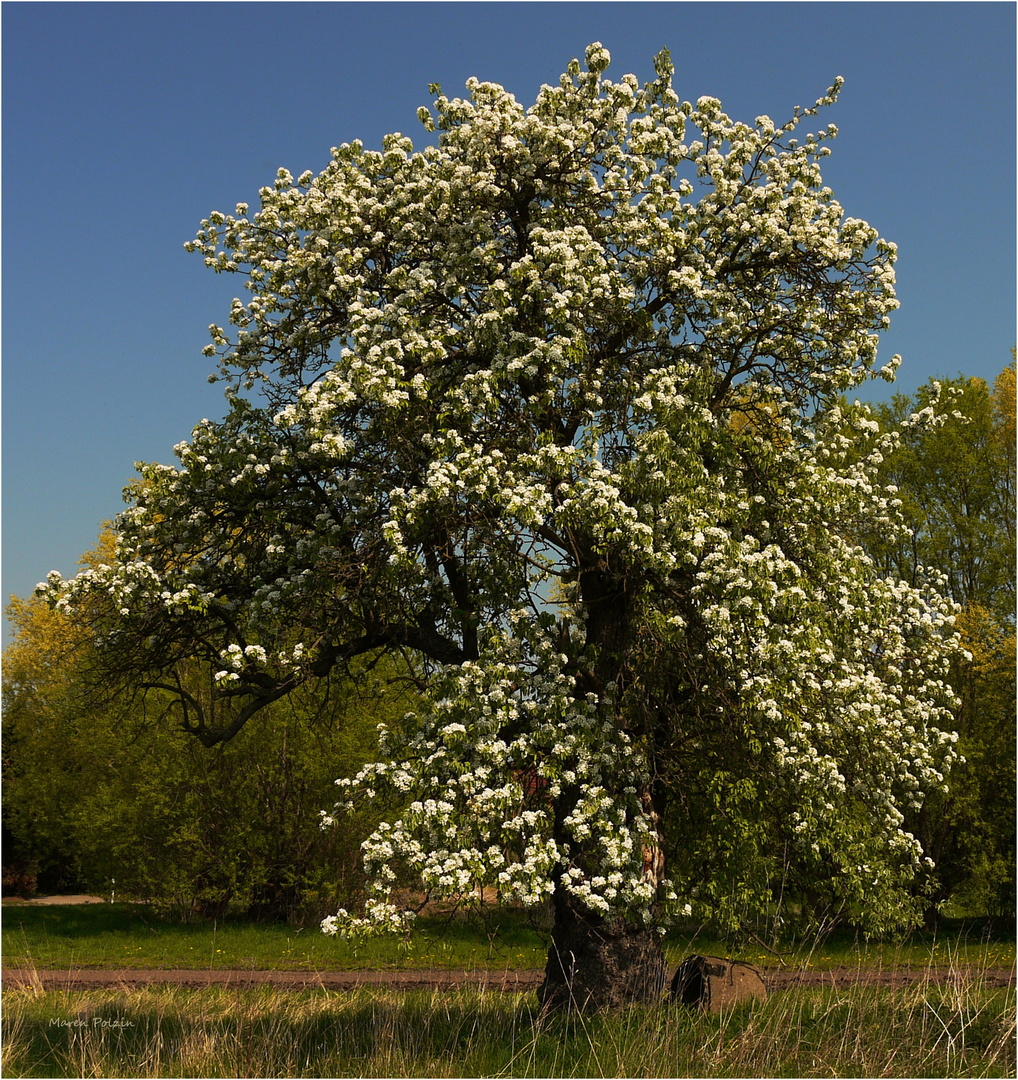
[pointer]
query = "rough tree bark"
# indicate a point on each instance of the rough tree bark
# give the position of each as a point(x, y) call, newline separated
point(598, 964)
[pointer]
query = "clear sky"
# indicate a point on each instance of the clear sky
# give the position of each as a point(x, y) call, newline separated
point(125, 124)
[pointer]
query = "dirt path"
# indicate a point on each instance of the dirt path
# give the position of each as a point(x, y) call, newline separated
point(518, 981)
point(898, 978)
point(82, 979)
point(49, 900)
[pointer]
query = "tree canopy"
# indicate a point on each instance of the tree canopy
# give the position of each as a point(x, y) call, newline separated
point(551, 407)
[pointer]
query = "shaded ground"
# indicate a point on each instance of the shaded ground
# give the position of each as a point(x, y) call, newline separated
point(519, 981)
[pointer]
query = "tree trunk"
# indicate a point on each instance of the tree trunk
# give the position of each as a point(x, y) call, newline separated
point(597, 964)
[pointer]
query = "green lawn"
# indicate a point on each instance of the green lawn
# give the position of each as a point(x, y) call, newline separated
point(134, 935)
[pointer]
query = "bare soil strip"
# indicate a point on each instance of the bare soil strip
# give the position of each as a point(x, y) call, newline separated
point(93, 979)
point(513, 981)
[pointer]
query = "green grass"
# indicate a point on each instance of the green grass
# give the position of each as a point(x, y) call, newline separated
point(137, 936)
point(966, 1029)
point(959, 942)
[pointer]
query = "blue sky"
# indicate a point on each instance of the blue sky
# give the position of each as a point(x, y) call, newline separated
point(125, 124)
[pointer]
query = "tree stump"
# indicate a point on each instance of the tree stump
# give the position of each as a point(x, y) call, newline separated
point(713, 984)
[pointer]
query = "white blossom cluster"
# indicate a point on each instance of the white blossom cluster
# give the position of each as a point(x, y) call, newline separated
point(600, 339)
point(478, 776)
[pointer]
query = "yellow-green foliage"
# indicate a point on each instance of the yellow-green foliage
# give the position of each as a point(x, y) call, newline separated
point(104, 791)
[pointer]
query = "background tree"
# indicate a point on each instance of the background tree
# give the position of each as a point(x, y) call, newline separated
point(101, 787)
point(956, 482)
point(512, 358)
point(44, 706)
point(39, 691)
point(974, 824)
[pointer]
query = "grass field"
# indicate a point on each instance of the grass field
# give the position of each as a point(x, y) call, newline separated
point(959, 1027)
point(961, 1030)
point(136, 936)
point(132, 935)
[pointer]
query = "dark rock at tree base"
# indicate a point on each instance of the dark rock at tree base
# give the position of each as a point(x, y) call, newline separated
point(708, 982)
point(594, 965)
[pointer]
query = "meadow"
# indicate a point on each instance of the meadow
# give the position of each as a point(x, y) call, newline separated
point(962, 1029)
point(960, 1025)
point(142, 936)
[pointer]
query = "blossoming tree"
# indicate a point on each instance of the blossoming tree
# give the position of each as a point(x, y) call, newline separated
point(550, 408)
